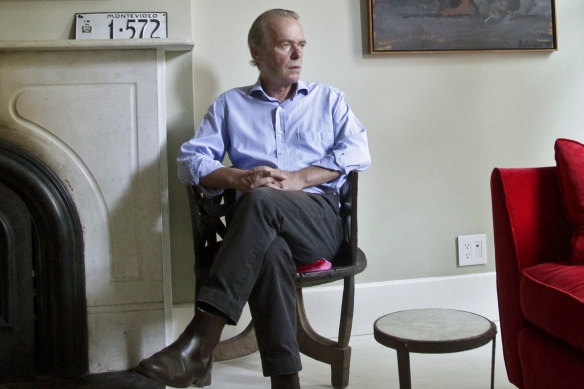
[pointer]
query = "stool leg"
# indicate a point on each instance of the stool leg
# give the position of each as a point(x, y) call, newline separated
point(403, 365)
point(493, 362)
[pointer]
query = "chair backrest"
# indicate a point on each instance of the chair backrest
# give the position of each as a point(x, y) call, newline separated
point(210, 216)
point(348, 211)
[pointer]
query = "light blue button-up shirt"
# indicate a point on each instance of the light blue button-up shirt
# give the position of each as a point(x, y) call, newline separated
point(315, 127)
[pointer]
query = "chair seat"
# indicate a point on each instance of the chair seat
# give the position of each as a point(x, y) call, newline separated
point(552, 298)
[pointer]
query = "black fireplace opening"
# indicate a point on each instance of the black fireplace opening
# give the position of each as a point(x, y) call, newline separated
point(43, 308)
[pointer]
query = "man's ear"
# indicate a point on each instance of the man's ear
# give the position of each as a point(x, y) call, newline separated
point(256, 54)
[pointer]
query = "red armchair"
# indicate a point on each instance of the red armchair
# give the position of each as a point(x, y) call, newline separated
point(540, 288)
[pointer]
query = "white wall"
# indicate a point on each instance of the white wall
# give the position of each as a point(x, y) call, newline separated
point(438, 123)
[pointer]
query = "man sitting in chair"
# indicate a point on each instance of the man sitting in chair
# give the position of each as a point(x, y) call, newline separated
point(292, 144)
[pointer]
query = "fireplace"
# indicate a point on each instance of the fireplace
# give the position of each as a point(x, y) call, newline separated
point(86, 121)
point(43, 322)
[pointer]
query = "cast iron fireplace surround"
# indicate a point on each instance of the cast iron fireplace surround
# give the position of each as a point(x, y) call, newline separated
point(57, 260)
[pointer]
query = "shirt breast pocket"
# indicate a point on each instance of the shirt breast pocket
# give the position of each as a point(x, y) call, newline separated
point(313, 145)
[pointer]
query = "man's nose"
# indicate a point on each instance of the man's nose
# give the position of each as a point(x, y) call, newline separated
point(296, 51)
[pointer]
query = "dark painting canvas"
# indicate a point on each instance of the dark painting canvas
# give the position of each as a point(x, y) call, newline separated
point(461, 25)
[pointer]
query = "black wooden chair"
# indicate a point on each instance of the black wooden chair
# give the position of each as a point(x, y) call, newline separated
point(210, 217)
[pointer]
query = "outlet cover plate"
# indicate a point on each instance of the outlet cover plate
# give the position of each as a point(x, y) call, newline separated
point(472, 250)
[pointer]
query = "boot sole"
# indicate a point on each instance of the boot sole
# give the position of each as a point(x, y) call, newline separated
point(200, 382)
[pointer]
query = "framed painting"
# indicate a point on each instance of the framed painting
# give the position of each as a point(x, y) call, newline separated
point(402, 26)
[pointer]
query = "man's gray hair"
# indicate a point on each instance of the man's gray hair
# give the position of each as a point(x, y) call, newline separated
point(258, 36)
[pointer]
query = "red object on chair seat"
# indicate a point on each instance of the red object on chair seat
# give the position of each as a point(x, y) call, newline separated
point(320, 265)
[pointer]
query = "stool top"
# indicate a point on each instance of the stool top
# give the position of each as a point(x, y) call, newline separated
point(433, 330)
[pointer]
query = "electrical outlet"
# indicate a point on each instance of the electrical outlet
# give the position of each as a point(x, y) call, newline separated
point(472, 250)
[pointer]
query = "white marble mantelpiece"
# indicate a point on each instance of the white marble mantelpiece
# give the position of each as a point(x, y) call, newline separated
point(94, 112)
point(96, 44)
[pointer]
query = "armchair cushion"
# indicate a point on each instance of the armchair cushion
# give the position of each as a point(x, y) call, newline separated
point(570, 162)
point(552, 298)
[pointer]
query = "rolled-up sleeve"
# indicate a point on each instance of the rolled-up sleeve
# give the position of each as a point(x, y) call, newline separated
point(351, 148)
point(203, 154)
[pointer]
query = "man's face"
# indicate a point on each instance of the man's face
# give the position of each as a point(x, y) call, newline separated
point(281, 62)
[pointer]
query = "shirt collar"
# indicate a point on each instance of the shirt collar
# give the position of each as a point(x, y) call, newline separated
point(257, 90)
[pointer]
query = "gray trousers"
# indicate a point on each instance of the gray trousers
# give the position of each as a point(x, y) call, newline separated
point(270, 234)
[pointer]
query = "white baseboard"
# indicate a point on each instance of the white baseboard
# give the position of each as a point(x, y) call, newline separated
point(473, 292)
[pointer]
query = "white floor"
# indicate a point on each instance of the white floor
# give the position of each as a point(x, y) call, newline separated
point(375, 366)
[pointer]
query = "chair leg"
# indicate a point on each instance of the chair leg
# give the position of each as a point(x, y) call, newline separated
point(243, 344)
point(340, 368)
point(346, 321)
point(338, 356)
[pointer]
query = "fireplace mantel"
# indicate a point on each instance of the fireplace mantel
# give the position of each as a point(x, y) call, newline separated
point(96, 44)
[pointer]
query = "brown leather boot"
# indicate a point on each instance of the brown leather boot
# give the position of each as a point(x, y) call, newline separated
point(189, 359)
point(286, 381)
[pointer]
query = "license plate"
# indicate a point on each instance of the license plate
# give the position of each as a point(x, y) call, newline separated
point(120, 25)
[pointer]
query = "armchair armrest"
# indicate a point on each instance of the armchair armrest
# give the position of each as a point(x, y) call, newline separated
point(529, 228)
point(528, 218)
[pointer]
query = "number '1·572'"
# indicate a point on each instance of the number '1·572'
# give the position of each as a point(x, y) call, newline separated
point(134, 28)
